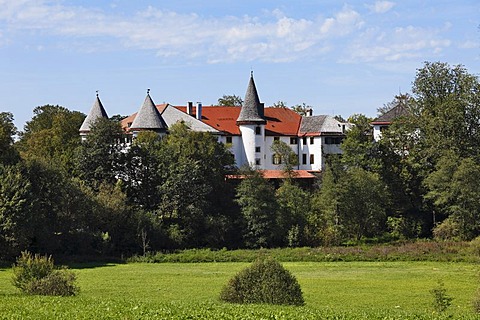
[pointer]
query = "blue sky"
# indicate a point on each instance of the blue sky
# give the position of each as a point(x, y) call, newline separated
point(341, 57)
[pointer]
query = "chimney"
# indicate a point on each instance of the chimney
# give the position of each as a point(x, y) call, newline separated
point(190, 108)
point(309, 112)
point(199, 111)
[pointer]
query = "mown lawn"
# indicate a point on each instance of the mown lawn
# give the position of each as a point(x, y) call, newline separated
point(332, 290)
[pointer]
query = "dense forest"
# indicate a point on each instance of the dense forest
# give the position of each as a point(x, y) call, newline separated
point(102, 197)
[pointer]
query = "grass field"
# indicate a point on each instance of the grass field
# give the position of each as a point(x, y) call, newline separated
point(332, 290)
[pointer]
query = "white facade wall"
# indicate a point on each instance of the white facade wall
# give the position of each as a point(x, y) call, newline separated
point(244, 149)
point(377, 132)
point(309, 149)
point(251, 141)
point(269, 165)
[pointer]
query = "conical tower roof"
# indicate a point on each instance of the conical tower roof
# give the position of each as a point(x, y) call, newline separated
point(148, 117)
point(252, 109)
point(97, 111)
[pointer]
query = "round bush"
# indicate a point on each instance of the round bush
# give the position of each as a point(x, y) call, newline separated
point(36, 274)
point(265, 281)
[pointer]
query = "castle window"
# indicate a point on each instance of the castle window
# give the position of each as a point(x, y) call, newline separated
point(229, 139)
point(258, 161)
point(312, 140)
point(258, 149)
point(276, 138)
point(276, 159)
point(293, 140)
point(312, 159)
point(258, 130)
point(304, 141)
point(304, 158)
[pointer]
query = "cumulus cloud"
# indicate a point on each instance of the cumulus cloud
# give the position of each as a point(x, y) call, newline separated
point(273, 36)
point(400, 43)
point(381, 6)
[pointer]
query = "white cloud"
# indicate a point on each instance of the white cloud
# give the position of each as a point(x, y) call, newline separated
point(273, 37)
point(401, 43)
point(381, 6)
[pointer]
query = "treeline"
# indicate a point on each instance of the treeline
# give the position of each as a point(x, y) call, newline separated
point(104, 197)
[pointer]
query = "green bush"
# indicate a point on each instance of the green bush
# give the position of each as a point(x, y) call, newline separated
point(36, 274)
point(441, 301)
point(265, 281)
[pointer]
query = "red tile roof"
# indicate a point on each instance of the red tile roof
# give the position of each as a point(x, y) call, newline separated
point(221, 118)
point(280, 174)
point(280, 121)
point(129, 120)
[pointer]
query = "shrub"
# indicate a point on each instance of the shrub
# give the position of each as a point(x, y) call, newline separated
point(441, 301)
point(36, 274)
point(265, 281)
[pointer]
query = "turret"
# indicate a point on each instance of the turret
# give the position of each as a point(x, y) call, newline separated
point(251, 122)
point(148, 118)
point(97, 111)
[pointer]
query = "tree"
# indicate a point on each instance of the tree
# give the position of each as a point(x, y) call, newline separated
point(288, 158)
point(293, 206)
point(230, 101)
point(194, 202)
point(8, 155)
point(99, 157)
point(141, 173)
point(302, 109)
point(447, 111)
point(349, 206)
point(280, 104)
point(454, 190)
point(402, 99)
point(323, 219)
point(15, 211)
point(446, 119)
point(256, 197)
point(52, 136)
point(358, 147)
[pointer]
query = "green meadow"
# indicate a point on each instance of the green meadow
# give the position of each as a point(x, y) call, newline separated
point(332, 290)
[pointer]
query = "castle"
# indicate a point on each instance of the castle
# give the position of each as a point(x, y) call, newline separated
point(249, 131)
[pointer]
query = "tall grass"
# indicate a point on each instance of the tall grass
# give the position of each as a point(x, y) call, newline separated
point(447, 251)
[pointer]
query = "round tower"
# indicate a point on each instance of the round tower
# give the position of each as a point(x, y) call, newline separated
point(251, 123)
point(148, 118)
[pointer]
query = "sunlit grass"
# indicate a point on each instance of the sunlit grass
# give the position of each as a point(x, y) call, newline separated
point(359, 290)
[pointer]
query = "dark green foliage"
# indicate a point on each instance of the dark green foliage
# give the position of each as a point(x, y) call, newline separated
point(36, 274)
point(256, 197)
point(293, 206)
point(8, 154)
point(193, 196)
point(349, 206)
point(230, 101)
point(16, 212)
point(265, 281)
point(52, 137)
point(99, 157)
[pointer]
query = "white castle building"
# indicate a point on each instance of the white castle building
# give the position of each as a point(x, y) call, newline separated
point(249, 130)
